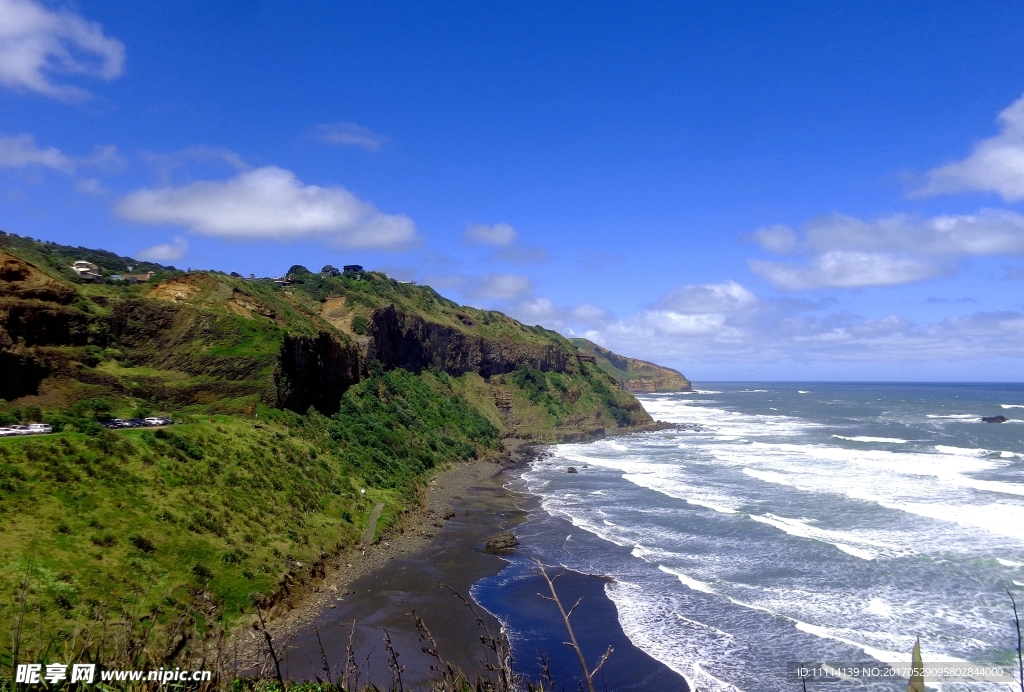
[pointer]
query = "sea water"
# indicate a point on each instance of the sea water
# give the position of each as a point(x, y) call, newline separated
point(799, 522)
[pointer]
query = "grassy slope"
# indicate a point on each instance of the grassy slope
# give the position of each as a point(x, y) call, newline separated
point(144, 521)
point(140, 521)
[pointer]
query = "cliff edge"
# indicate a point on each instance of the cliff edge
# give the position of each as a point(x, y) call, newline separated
point(633, 374)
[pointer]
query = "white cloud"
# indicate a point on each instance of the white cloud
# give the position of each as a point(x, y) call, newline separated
point(842, 269)
point(504, 237)
point(995, 165)
point(270, 202)
point(21, 151)
point(770, 335)
point(726, 297)
point(164, 252)
point(674, 323)
point(500, 234)
point(36, 42)
point(499, 287)
point(848, 252)
point(778, 238)
point(989, 232)
point(544, 311)
point(348, 135)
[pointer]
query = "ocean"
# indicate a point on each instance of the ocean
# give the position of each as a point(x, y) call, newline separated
point(788, 522)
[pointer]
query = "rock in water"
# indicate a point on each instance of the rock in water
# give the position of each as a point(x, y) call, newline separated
point(994, 419)
point(504, 542)
point(571, 469)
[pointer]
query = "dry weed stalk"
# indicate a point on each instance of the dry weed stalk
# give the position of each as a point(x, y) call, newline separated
point(588, 674)
point(1020, 653)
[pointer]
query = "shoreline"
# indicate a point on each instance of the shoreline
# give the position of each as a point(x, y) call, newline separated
point(449, 496)
point(362, 596)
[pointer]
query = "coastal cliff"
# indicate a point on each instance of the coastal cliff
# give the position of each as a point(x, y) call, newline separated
point(227, 345)
point(300, 407)
point(634, 375)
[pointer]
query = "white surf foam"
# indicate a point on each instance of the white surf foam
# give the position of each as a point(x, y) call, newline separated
point(687, 580)
point(852, 543)
point(1012, 405)
point(704, 655)
point(1009, 563)
point(864, 438)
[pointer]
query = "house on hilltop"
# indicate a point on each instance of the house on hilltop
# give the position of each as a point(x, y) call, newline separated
point(87, 270)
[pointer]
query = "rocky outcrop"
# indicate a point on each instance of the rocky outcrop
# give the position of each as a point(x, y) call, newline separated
point(316, 372)
point(504, 542)
point(400, 340)
point(994, 419)
point(19, 279)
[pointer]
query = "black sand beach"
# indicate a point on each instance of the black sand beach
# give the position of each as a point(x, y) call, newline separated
point(384, 597)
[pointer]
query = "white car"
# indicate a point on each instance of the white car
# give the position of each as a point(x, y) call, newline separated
point(40, 428)
point(4, 432)
point(21, 430)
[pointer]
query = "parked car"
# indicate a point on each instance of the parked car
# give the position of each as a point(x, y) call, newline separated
point(40, 428)
point(21, 430)
point(157, 420)
point(4, 432)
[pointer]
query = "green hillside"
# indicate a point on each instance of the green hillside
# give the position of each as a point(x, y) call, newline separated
point(290, 400)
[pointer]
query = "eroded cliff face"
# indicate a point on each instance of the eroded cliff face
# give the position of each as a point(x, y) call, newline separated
point(400, 340)
point(207, 339)
point(316, 372)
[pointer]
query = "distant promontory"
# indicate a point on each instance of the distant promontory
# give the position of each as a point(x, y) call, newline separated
point(634, 375)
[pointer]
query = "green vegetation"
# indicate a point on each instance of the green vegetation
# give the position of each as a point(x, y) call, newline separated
point(283, 422)
point(138, 520)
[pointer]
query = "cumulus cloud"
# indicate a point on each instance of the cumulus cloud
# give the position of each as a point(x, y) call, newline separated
point(500, 234)
point(544, 311)
point(270, 202)
point(21, 151)
point(842, 269)
point(769, 335)
point(996, 164)
point(848, 252)
point(504, 237)
point(725, 297)
point(499, 287)
point(989, 232)
point(164, 252)
point(778, 238)
point(37, 43)
point(348, 135)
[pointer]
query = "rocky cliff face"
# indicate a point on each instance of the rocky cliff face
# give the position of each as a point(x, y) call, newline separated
point(401, 340)
point(204, 338)
point(316, 372)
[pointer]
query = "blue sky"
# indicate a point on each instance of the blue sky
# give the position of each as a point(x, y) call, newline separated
point(739, 190)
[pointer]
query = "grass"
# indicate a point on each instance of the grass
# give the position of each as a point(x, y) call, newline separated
point(229, 508)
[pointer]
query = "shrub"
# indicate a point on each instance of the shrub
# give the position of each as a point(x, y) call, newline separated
point(359, 324)
point(142, 543)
